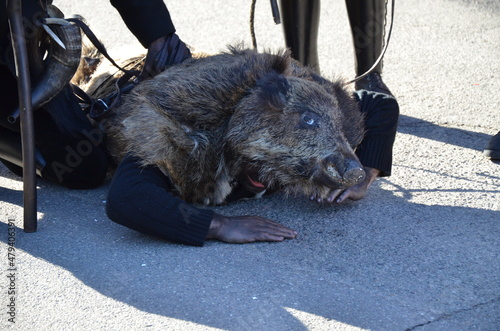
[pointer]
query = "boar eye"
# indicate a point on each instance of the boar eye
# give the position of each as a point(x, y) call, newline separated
point(310, 120)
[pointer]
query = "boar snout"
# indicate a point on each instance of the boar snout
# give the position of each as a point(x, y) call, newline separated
point(354, 173)
point(340, 171)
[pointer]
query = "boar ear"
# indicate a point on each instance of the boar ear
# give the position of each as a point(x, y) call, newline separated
point(273, 90)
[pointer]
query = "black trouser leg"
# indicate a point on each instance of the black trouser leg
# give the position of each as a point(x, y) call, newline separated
point(367, 21)
point(300, 19)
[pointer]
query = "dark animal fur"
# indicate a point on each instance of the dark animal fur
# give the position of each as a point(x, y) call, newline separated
point(202, 122)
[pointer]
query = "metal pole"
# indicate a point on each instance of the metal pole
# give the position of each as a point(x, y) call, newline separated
point(14, 10)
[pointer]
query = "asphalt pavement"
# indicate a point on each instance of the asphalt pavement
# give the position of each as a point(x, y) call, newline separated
point(419, 252)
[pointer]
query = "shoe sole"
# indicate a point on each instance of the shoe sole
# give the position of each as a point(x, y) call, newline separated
point(492, 154)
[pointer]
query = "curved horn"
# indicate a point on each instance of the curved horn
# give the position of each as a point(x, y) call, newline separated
point(60, 65)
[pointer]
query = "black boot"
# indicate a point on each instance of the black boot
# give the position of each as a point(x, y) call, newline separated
point(300, 19)
point(492, 150)
point(367, 20)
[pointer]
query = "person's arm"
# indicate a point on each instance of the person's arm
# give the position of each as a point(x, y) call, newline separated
point(151, 24)
point(381, 123)
point(140, 198)
point(147, 20)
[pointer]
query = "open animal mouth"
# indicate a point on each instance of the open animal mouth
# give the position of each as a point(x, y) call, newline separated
point(255, 183)
point(249, 178)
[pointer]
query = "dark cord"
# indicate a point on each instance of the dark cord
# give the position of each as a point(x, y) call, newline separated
point(369, 71)
point(252, 24)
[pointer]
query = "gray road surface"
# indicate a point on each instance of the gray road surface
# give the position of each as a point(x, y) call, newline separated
point(420, 252)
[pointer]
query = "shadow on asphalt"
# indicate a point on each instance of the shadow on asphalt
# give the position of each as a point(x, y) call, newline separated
point(389, 261)
point(408, 125)
point(387, 256)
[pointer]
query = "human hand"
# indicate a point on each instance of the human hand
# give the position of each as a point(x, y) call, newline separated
point(246, 229)
point(164, 52)
point(355, 192)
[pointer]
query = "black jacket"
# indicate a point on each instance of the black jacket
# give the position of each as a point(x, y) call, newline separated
point(148, 20)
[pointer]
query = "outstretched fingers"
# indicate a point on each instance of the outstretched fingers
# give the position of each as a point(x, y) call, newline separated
point(273, 231)
point(246, 229)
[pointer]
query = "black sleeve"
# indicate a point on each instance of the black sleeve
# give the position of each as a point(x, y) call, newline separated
point(381, 122)
point(140, 198)
point(148, 20)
